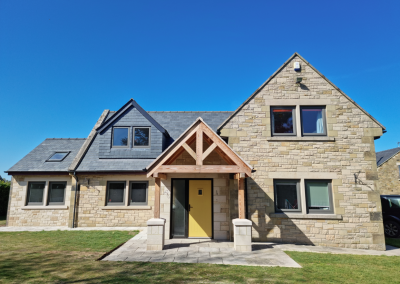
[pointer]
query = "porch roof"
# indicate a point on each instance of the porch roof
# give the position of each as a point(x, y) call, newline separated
point(198, 131)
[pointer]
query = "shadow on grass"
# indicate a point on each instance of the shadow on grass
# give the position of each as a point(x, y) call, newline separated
point(81, 267)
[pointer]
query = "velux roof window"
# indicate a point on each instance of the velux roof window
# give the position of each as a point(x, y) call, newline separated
point(57, 157)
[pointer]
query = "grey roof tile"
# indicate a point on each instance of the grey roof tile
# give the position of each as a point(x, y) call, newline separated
point(384, 156)
point(174, 122)
point(35, 161)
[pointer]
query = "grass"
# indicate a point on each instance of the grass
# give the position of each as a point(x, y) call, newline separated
point(3, 220)
point(393, 242)
point(59, 257)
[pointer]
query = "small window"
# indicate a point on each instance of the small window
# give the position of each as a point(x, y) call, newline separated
point(120, 137)
point(115, 192)
point(57, 193)
point(319, 196)
point(138, 194)
point(399, 171)
point(313, 120)
point(200, 192)
point(287, 196)
point(142, 137)
point(283, 121)
point(35, 193)
point(57, 157)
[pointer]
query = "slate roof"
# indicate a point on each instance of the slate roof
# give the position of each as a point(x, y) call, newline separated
point(384, 156)
point(176, 122)
point(35, 161)
point(173, 122)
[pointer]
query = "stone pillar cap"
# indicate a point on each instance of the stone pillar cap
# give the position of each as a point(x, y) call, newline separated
point(156, 222)
point(241, 222)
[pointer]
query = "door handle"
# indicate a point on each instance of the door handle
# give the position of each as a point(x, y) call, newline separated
point(190, 207)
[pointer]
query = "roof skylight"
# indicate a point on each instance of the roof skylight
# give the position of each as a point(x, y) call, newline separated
point(57, 157)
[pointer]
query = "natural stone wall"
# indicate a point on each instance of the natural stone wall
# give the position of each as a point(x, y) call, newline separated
point(348, 150)
point(389, 179)
point(91, 209)
point(21, 215)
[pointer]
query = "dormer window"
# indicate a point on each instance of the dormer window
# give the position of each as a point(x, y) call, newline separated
point(141, 137)
point(57, 157)
point(120, 137)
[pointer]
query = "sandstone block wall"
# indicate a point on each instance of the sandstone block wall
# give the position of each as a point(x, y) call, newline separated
point(389, 178)
point(348, 150)
point(21, 215)
point(93, 212)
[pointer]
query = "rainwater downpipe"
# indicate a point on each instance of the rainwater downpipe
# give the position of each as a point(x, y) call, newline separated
point(76, 196)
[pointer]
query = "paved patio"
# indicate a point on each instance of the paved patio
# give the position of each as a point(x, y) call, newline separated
point(202, 251)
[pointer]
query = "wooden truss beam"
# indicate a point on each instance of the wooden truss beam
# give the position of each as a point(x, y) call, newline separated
point(209, 150)
point(199, 169)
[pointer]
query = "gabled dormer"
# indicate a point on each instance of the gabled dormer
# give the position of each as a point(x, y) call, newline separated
point(131, 133)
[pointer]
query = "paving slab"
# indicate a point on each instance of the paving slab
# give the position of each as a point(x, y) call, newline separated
point(222, 252)
point(186, 259)
point(139, 259)
point(211, 260)
point(162, 259)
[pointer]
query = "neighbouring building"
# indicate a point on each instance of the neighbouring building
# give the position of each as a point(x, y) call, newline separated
point(388, 163)
point(286, 160)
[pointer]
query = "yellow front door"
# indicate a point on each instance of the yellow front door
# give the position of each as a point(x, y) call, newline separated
point(200, 209)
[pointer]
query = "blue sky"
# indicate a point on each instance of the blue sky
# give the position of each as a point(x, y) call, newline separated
point(63, 62)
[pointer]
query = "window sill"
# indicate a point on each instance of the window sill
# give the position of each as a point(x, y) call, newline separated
point(306, 216)
point(143, 207)
point(304, 138)
point(50, 207)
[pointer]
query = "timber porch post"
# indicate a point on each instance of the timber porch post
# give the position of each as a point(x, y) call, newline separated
point(241, 226)
point(157, 198)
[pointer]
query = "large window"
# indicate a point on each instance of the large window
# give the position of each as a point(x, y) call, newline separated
point(283, 121)
point(35, 193)
point(115, 192)
point(319, 196)
point(120, 137)
point(313, 120)
point(57, 193)
point(141, 137)
point(287, 196)
point(138, 193)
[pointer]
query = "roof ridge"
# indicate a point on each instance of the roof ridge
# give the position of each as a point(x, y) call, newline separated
point(65, 139)
point(191, 111)
point(389, 150)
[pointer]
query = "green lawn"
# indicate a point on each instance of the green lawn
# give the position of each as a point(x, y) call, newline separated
point(393, 242)
point(59, 257)
point(3, 220)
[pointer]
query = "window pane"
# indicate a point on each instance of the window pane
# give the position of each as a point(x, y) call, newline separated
point(282, 120)
point(394, 203)
point(317, 195)
point(286, 194)
point(116, 192)
point(138, 192)
point(142, 136)
point(312, 120)
point(36, 192)
point(58, 156)
point(120, 137)
point(56, 194)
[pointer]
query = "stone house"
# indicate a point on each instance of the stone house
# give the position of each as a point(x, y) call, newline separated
point(280, 168)
point(388, 163)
